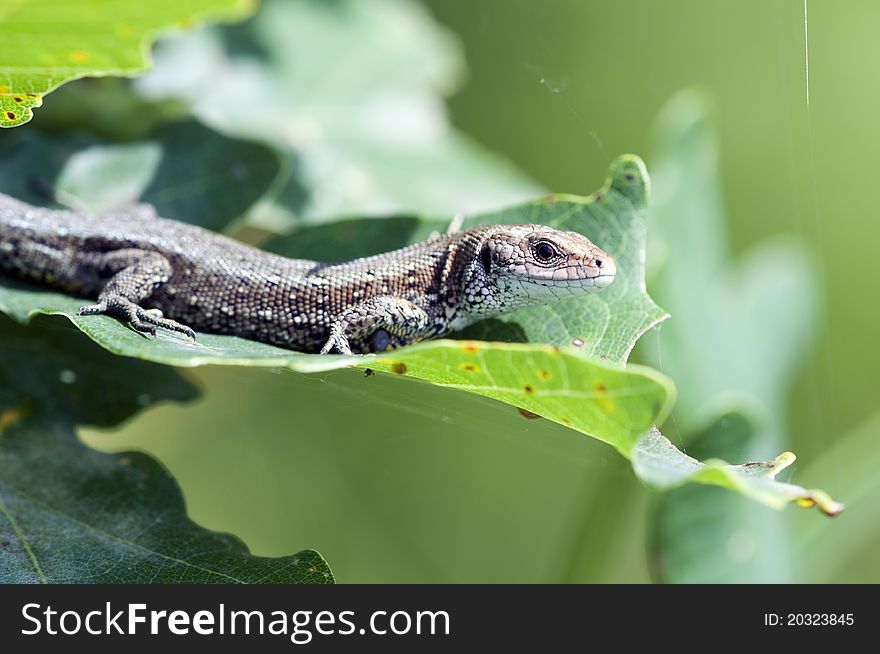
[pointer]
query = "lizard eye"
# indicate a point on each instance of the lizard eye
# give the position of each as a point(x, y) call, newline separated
point(544, 251)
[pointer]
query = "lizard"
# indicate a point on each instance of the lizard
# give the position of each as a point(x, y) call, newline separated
point(156, 273)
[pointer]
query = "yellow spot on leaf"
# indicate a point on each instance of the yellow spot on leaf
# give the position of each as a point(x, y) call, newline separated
point(544, 374)
point(79, 57)
point(4, 89)
point(399, 368)
point(470, 346)
point(124, 31)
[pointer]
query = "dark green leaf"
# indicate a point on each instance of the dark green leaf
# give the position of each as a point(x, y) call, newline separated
point(70, 514)
point(187, 171)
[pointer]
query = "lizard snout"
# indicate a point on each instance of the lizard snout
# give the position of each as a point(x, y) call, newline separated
point(606, 268)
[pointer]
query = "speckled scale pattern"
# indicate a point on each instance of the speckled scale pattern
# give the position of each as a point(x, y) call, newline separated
point(132, 261)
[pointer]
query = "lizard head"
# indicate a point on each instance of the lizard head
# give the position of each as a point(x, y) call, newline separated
point(522, 265)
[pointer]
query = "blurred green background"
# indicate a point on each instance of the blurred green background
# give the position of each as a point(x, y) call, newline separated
point(395, 484)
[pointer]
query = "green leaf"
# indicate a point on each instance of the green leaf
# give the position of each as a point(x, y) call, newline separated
point(740, 330)
point(352, 92)
point(69, 514)
point(564, 385)
point(49, 42)
point(660, 464)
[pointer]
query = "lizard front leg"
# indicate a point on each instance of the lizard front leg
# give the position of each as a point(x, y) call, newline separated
point(134, 275)
point(396, 316)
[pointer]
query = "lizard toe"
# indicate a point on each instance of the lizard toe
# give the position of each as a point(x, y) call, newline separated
point(154, 318)
point(92, 309)
point(337, 342)
point(143, 327)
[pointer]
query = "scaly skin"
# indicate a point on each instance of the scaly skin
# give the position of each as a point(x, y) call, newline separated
point(133, 262)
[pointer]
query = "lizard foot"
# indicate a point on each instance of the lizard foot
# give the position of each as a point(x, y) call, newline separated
point(140, 319)
point(338, 342)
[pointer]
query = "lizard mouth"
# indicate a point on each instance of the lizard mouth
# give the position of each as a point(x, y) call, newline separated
point(603, 280)
point(607, 270)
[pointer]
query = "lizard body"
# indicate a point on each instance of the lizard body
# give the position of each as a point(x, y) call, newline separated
point(134, 263)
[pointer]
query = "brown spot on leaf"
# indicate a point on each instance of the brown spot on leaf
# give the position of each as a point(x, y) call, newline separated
point(602, 398)
point(598, 197)
point(18, 99)
point(469, 367)
point(399, 368)
point(544, 374)
point(368, 372)
point(565, 421)
point(10, 115)
point(528, 389)
point(629, 177)
point(528, 415)
point(470, 346)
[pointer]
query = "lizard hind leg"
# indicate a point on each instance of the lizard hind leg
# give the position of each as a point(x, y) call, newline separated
point(394, 316)
point(133, 276)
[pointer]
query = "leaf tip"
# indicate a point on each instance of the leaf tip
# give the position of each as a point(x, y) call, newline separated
point(629, 176)
point(780, 463)
point(820, 499)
